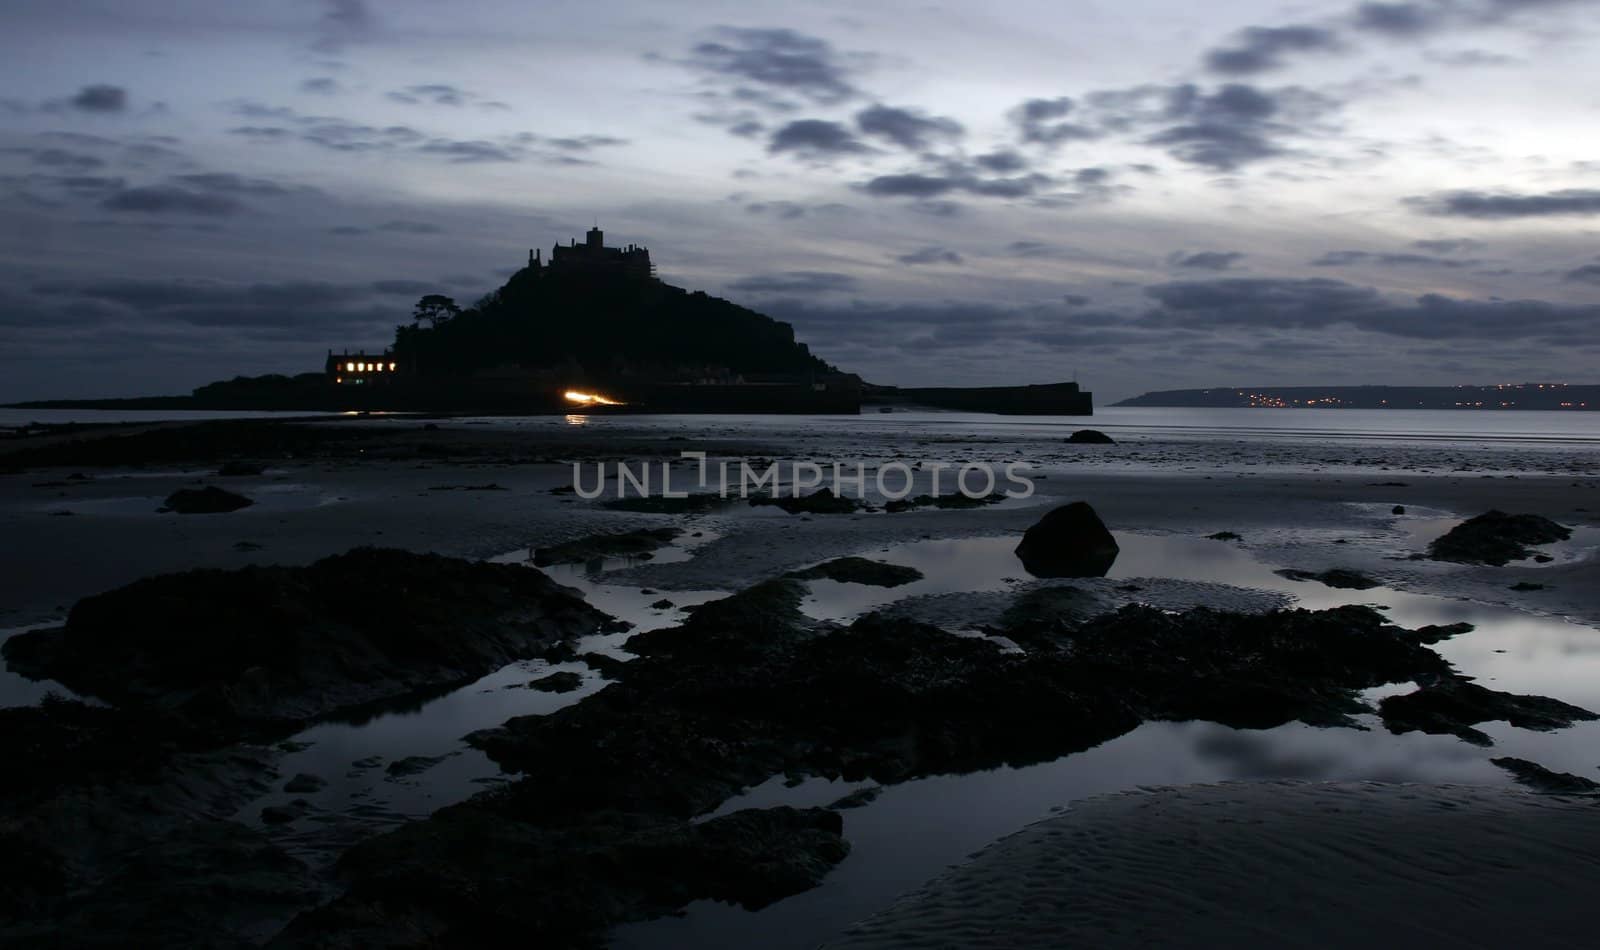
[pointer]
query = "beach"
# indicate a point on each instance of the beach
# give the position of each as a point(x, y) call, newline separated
point(1206, 516)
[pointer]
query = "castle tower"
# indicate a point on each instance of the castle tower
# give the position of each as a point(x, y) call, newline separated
point(595, 239)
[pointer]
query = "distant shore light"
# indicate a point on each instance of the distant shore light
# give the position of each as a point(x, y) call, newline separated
point(588, 399)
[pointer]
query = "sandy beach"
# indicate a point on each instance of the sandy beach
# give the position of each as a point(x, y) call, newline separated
point(1202, 521)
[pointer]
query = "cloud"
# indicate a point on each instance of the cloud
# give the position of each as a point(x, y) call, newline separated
point(100, 98)
point(779, 59)
point(57, 158)
point(1506, 205)
point(1260, 49)
point(795, 282)
point(1354, 258)
point(1587, 274)
point(916, 185)
point(1206, 260)
point(401, 226)
point(404, 288)
point(1003, 161)
point(1403, 20)
point(1319, 303)
point(320, 86)
point(816, 138)
point(438, 94)
point(470, 151)
point(169, 199)
point(907, 128)
point(1042, 122)
point(932, 254)
point(342, 22)
point(1448, 245)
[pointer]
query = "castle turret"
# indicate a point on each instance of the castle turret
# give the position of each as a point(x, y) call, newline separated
point(595, 239)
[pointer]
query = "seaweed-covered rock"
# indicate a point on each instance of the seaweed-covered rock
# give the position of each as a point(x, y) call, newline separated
point(1539, 778)
point(1070, 541)
point(1453, 705)
point(1339, 577)
point(564, 681)
point(269, 648)
point(209, 500)
point(860, 570)
point(820, 502)
point(629, 544)
point(1496, 538)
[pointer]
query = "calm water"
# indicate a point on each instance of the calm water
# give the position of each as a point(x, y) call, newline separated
point(1277, 425)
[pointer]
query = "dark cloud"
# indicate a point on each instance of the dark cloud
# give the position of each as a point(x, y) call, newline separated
point(100, 98)
point(915, 185)
point(907, 128)
point(816, 138)
point(1004, 161)
point(1587, 274)
point(1260, 49)
point(795, 282)
point(1354, 258)
point(1506, 205)
point(1398, 19)
point(57, 158)
point(404, 288)
point(170, 199)
point(1043, 122)
point(402, 226)
point(932, 254)
point(470, 151)
point(1038, 250)
point(1318, 303)
point(781, 59)
point(438, 94)
point(320, 85)
point(1448, 245)
point(1206, 260)
point(342, 22)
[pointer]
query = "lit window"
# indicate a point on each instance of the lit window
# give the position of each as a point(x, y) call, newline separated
point(378, 367)
point(349, 367)
point(391, 367)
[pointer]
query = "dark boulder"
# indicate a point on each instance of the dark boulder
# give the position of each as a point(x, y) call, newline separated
point(1090, 437)
point(564, 681)
point(209, 500)
point(1070, 541)
point(860, 570)
point(1340, 577)
point(1453, 705)
point(1496, 538)
point(1541, 779)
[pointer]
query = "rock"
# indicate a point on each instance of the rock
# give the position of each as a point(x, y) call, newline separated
point(1342, 578)
point(415, 764)
point(564, 681)
point(235, 468)
point(820, 502)
point(1539, 778)
point(957, 501)
point(1398, 510)
point(860, 570)
point(1452, 705)
point(209, 500)
point(662, 604)
point(1435, 633)
point(1070, 541)
point(370, 762)
point(1523, 586)
point(858, 798)
point(1224, 536)
point(629, 544)
point(304, 784)
point(1495, 538)
point(1090, 437)
point(272, 648)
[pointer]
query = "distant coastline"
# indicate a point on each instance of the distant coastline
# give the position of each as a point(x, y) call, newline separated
point(1501, 397)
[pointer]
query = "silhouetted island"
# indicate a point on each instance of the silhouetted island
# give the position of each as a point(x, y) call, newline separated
point(1556, 396)
point(592, 327)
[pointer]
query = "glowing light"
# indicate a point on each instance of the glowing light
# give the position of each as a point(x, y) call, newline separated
point(349, 367)
point(391, 367)
point(588, 399)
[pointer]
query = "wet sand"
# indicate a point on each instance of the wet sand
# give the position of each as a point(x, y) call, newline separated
point(1269, 864)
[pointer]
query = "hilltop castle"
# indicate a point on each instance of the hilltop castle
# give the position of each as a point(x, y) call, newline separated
point(593, 259)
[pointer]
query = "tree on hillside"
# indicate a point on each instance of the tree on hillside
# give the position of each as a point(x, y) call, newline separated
point(434, 309)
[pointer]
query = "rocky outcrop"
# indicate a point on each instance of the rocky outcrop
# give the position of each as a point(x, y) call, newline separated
point(1541, 779)
point(1339, 577)
point(266, 649)
point(1090, 437)
point(209, 500)
point(1453, 705)
point(1070, 541)
point(640, 544)
point(1496, 538)
point(860, 570)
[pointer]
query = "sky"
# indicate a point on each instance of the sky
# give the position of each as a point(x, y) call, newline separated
point(1140, 194)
